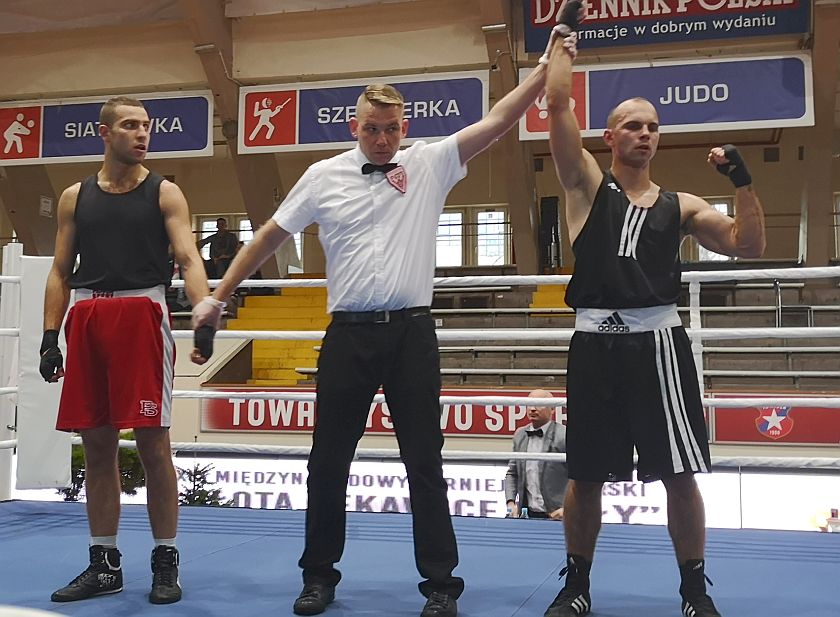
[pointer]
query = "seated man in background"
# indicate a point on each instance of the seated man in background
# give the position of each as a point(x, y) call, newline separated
point(537, 485)
point(223, 247)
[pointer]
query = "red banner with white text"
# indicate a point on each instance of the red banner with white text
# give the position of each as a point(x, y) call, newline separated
point(241, 413)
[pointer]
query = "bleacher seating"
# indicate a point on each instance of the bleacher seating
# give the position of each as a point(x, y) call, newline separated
point(804, 364)
point(295, 308)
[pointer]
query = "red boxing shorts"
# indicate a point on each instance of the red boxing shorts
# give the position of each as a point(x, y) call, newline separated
point(120, 361)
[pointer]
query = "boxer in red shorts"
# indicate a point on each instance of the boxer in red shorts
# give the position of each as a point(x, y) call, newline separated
point(120, 223)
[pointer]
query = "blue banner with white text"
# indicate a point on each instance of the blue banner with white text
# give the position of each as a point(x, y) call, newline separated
point(718, 94)
point(291, 117)
point(67, 131)
point(615, 23)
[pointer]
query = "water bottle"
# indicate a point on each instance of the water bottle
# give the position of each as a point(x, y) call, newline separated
point(524, 513)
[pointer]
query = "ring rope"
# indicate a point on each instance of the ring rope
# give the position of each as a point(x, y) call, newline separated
point(469, 455)
point(532, 334)
point(830, 402)
point(562, 279)
point(512, 334)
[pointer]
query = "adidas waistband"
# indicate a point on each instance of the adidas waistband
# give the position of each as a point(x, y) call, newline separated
point(626, 321)
point(157, 294)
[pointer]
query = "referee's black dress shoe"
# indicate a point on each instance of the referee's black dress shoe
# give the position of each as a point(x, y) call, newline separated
point(314, 598)
point(440, 605)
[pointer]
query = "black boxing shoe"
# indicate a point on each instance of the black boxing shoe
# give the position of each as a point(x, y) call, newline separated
point(103, 576)
point(573, 599)
point(695, 601)
point(699, 606)
point(166, 588)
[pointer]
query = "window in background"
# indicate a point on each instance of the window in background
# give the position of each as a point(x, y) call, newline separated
point(239, 224)
point(692, 251)
point(474, 235)
point(246, 234)
point(207, 227)
point(491, 238)
point(837, 226)
point(298, 238)
point(450, 240)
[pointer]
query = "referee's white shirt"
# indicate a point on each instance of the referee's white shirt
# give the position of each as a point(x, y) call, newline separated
point(379, 243)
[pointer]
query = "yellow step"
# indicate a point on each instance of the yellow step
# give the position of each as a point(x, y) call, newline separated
point(288, 373)
point(273, 383)
point(284, 362)
point(287, 352)
point(279, 323)
point(285, 301)
point(303, 291)
point(549, 299)
point(282, 313)
point(269, 349)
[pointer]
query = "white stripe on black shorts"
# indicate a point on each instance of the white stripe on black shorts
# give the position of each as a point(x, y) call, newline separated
point(629, 390)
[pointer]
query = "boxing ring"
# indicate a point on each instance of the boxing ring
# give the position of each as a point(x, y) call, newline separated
point(241, 561)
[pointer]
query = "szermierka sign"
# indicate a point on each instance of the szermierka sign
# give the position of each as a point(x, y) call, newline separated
point(290, 117)
point(614, 23)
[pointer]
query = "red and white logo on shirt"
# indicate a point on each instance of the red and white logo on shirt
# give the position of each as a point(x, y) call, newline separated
point(397, 178)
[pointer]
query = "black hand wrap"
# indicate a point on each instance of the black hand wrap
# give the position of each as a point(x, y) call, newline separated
point(203, 340)
point(569, 15)
point(51, 359)
point(735, 168)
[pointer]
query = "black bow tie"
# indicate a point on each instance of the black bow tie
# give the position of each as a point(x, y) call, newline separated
point(369, 168)
point(535, 433)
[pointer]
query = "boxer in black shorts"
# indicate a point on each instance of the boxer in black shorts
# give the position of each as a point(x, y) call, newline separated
point(632, 381)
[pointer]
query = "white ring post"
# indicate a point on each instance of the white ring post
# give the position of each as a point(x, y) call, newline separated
point(9, 318)
point(43, 453)
point(695, 325)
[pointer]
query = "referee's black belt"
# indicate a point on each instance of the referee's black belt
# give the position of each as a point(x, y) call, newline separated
point(380, 316)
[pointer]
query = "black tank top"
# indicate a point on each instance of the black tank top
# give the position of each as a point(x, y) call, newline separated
point(121, 239)
point(626, 256)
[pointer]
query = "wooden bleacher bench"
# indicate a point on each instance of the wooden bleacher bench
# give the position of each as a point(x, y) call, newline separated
point(500, 311)
point(504, 348)
point(770, 373)
point(784, 350)
point(463, 372)
point(461, 290)
point(188, 314)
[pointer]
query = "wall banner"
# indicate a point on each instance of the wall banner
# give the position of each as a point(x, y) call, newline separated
point(786, 424)
point(617, 23)
point(66, 131)
point(739, 93)
point(291, 117)
point(239, 413)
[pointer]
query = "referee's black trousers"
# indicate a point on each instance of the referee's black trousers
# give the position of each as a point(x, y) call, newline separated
point(356, 358)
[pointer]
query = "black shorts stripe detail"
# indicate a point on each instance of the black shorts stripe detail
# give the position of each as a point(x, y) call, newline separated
point(673, 404)
point(629, 391)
